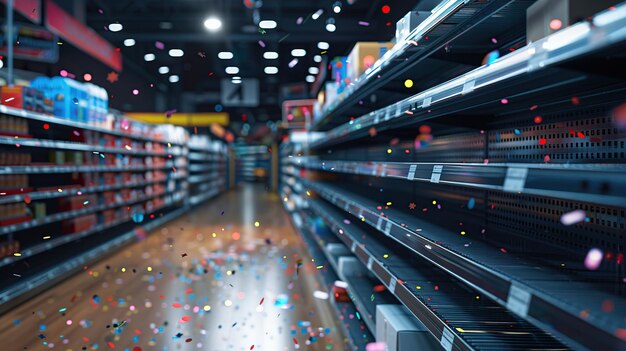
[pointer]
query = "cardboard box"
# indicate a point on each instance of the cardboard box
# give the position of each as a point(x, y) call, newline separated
point(542, 12)
point(363, 56)
point(408, 23)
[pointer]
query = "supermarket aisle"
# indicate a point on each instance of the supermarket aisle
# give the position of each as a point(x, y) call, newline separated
point(211, 280)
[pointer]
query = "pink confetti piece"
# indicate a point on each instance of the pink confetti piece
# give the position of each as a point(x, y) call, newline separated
point(293, 63)
point(573, 217)
point(261, 43)
point(159, 45)
point(299, 20)
point(593, 259)
point(364, 24)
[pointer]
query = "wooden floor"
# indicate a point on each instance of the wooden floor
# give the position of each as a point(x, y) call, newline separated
point(210, 280)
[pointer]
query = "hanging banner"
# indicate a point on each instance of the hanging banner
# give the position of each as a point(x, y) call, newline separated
point(69, 28)
point(31, 9)
point(32, 43)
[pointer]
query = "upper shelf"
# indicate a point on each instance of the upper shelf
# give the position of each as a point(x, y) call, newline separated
point(448, 21)
point(80, 125)
point(594, 183)
point(518, 75)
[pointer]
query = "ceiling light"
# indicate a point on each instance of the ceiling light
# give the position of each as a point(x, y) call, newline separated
point(270, 55)
point(317, 14)
point(176, 52)
point(164, 70)
point(236, 78)
point(317, 58)
point(174, 78)
point(271, 70)
point(310, 79)
point(236, 81)
point(225, 55)
point(115, 27)
point(213, 24)
point(314, 70)
point(337, 7)
point(232, 70)
point(129, 42)
point(322, 45)
point(267, 24)
point(298, 52)
point(330, 25)
point(149, 57)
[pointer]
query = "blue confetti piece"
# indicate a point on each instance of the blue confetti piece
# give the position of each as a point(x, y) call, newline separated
point(471, 203)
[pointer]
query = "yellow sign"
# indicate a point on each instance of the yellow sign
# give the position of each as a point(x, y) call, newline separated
point(193, 119)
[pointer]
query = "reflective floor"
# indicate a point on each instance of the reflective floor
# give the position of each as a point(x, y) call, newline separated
point(222, 277)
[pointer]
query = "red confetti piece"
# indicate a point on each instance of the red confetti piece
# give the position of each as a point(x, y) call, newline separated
point(111, 345)
point(252, 347)
point(185, 319)
point(263, 299)
point(177, 305)
point(295, 341)
point(542, 141)
point(136, 348)
point(189, 291)
point(188, 340)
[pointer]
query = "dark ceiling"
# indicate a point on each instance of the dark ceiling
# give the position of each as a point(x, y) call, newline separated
point(179, 24)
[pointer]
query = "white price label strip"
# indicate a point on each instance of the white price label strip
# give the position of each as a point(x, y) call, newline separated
point(447, 339)
point(353, 249)
point(515, 179)
point(379, 223)
point(387, 228)
point(468, 87)
point(411, 174)
point(518, 301)
point(436, 175)
point(370, 261)
point(392, 285)
point(427, 102)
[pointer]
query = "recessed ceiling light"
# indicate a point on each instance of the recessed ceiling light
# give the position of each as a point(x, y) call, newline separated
point(115, 27)
point(317, 58)
point(225, 55)
point(314, 70)
point(164, 70)
point(236, 78)
point(267, 24)
point(337, 7)
point(129, 42)
point(270, 70)
point(213, 24)
point(317, 14)
point(176, 52)
point(270, 55)
point(298, 52)
point(174, 78)
point(149, 57)
point(236, 81)
point(322, 45)
point(330, 25)
point(232, 70)
point(310, 79)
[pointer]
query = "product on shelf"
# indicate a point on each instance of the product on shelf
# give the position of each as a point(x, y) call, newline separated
point(12, 126)
point(409, 22)
point(74, 100)
point(545, 17)
point(363, 56)
point(26, 98)
point(79, 224)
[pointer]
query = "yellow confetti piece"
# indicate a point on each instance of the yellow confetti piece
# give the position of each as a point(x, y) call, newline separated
point(389, 203)
point(257, 224)
point(320, 267)
point(385, 256)
point(17, 254)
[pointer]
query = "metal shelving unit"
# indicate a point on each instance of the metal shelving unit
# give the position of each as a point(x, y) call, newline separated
point(79, 196)
point(471, 183)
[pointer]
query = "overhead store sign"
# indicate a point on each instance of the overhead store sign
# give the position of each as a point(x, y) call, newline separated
point(81, 36)
point(35, 43)
point(198, 119)
point(245, 93)
point(31, 9)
